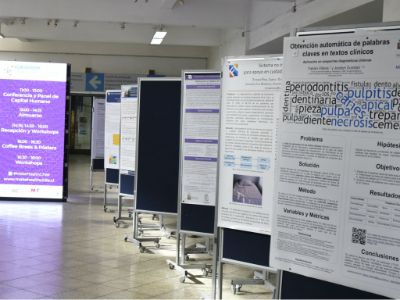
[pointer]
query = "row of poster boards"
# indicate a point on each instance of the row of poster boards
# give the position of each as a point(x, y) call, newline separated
point(308, 157)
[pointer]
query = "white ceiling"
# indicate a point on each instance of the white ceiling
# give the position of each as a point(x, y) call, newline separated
point(188, 22)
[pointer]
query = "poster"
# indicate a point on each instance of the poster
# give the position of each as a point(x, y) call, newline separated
point(249, 111)
point(201, 105)
point(337, 199)
point(98, 121)
point(112, 129)
point(128, 127)
point(32, 129)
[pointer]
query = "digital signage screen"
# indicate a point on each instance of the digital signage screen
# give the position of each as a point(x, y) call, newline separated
point(32, 129)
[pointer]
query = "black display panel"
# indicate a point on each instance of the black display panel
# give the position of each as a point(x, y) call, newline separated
point(295, 286)
point(157, 160)
point(197, 218)
point(98, 164)
point(247, 247)
point(127, 184)
point(112, 176)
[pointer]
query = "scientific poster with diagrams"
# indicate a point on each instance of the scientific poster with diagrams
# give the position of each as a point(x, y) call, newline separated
point(98, 121)
point(249, 111)
point(200, 133)
point(112, 129)
point(337, 193)
point(128, 127)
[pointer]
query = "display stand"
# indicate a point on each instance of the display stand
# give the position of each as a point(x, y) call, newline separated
point(201, 96)
point(111, 142)
point(34, 158)
point(250, 96)
point(127, 151)
point(97, 139)
point(302, 287)
point(157, 151)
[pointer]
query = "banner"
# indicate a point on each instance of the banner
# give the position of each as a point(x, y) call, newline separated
point(337, 195)
point(32, 129)
point(128, 127)
point(249, 110)
point(98, 120)
point(201, 105)
point(112, 129)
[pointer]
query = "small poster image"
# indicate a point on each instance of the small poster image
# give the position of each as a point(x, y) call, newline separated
point(247, 189)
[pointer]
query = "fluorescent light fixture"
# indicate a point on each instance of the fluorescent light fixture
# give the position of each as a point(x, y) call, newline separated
point(158, 36)
point(247, 58)
point(156, 41)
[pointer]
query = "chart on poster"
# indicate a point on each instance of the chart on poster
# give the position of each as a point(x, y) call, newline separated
point(201, 104)
point(250, 96)
point(32, 129)
point(337, 197)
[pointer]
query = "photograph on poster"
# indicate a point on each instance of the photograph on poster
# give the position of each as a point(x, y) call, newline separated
point(247, 189)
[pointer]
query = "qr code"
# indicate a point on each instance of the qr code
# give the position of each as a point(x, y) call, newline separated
point(359, 236)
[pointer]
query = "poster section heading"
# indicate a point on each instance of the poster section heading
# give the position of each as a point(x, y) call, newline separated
point(32, 129)
point(337, 199)
point(112, 130)
point(250, 103)
point(98, 121)
point(128, 127)
point(201, 107)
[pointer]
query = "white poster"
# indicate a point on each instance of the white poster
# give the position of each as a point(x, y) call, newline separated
point(249, 111)
point(128, 127)
point(337, 193)
point(112, 129)
point(98, 120)
point(200, 119)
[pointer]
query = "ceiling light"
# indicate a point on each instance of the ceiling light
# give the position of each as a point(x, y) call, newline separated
point(160, 35)
point(156, 41)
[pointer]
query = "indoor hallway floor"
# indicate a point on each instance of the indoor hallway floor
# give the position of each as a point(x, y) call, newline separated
point(73, 250)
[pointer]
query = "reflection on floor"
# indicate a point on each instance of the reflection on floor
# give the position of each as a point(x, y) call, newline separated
point(73, 250)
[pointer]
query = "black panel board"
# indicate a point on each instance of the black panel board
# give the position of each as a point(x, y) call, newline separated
point(127, 184)
point(112, 176)
point(198, 218)
point(158, 145)
point(295, 286)
point(98, 164)
point(248, 247)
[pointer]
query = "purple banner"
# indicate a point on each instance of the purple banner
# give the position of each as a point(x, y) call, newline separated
point(201, 141)
point(195, 158)
point(202, 110)
point(32, 128)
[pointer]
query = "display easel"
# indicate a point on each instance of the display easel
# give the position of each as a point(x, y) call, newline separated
point(97, 159)
point(196, 219)
point(298, 286)
point(157, 152)
point(111, 177)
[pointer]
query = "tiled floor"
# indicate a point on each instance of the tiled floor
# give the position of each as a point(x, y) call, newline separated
point(72, 250)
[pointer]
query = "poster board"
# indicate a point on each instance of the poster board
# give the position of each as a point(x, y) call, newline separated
point(97, 139)
point(201, 98)
point(250, 96)
point(112, 136)
point(128, 139)
point(157, 146)
point(338, 136)
point(33, 124)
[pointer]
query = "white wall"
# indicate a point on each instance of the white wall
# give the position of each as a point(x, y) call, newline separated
point(391, 10)
point(108, 57)
point(233, 44)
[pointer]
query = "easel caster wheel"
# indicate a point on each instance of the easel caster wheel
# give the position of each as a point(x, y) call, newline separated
point(171, 266)
point(205, 272)
point(114, 219)
point(126, 239)
point(158, 245)
point(141, 249)
point(117, 225)
point(236, 289)
point(187, 257)
point(182, 279)
point(105, 209)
